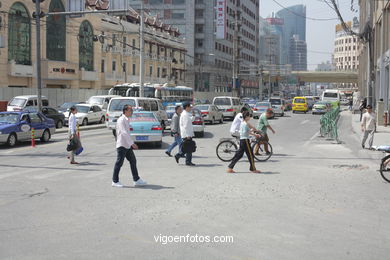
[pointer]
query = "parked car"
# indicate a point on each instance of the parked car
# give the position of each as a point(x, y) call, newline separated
point(229, 106)
point(101, 101)
point(262, 107)
point(58, 117)
point(277, 105)
point(321, 107)
point(300, 105)
point(67, 105)
point(17, 126)
point(210, 113)
point(114, 109)
point(146, 128)
point(19, 103)
point(198, 123)
point(87, 114)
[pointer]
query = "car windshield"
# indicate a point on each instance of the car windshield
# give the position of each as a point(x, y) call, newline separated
point(68, 105)
point(96, 100)
point(330, 95)
point(9, 118)
point(300, 100)
point(222, 102)
point(275, 101)
point(262, 104)
point(170, 108)
point(142, 117)
point(202, 107)
point(197, 112)
point(117, 105)
point(82, 109)
point(17, 102)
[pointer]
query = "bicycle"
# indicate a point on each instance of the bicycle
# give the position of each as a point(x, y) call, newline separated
point(227, 148)
point(385, 162)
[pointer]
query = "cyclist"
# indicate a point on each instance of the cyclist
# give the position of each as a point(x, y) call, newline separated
point(245, 145)
point(262, 126)
point(235, 128)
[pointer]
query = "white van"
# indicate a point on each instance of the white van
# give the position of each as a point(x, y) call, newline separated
point(229, 106)
point(115, 109)
point(19, 103)
point(101, 101)
point(332, 96)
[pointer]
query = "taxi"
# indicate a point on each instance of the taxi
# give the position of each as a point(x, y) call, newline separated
point(300, 104)
point(146, 128)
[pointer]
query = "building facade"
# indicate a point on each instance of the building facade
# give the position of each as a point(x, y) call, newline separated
point(93, 51)
point(297, 54)
point(210, 43)
point(294, 24)
point(374, 58)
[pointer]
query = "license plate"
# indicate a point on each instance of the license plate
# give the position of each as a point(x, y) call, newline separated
point(142, 138)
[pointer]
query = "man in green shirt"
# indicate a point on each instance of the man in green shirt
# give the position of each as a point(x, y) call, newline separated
point(262, 127)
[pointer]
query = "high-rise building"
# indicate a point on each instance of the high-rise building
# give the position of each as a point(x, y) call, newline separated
point(208, 28)
point(294, 18)
point(297, 54)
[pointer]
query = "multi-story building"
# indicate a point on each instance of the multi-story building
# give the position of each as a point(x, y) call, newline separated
point(210, 29)
point(297, 54)
point(346, 51)
point(374, 58)
point(93, 51)
point(294, 24)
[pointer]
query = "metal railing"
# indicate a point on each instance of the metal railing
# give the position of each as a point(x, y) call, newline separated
point(329, 124)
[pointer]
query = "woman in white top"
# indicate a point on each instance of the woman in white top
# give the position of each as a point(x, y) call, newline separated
point(72, 122)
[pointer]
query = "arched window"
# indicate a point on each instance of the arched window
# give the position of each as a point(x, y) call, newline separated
point(86, 46)
point(56, 33)
point(19, 34)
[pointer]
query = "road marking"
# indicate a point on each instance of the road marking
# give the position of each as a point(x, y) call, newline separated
point(304, 122)
point(311, 139)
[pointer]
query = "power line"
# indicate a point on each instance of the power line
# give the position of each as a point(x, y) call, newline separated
point(306, 17)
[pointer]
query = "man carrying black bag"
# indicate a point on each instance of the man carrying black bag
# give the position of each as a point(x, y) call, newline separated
point(186, 132)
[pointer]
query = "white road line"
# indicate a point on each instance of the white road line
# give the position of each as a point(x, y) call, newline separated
point(307, 143)
point(305, 122)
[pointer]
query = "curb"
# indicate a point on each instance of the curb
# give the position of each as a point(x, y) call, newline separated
point(83, 128)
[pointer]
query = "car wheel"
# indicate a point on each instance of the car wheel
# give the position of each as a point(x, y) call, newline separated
point(45, 136)
point(85, 122)
point(60, 124)
point(213, 122)
point(12, 140)
point(158, 144)
point(221, 120)
point(293, 111)
point(102, 120)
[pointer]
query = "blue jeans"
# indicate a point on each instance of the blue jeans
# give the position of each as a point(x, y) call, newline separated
point(187, 155)
point(123, 153)
point(177, 141)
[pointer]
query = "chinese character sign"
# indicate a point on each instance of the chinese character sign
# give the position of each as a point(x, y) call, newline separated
point(221, 19)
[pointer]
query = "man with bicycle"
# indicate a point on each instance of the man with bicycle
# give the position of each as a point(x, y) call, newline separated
point(262, 126)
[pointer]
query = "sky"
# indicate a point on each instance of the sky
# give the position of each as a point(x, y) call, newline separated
point(320, 35)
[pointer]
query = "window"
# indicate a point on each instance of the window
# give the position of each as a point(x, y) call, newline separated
point(153, 105)
point(177, 15)
point(144, 104)
point(150, 70)
point(158, 72)
point(199, 28)
point(133, 43)
point(124, 67)
point(102, 66)
point(56, 33)
point(86, 46)
point(96, 109)
point(199, 13)
point(45, 102)
point(35, 118)
point(134, 69)
point(113, 66)
point(124, 42)
point(19, 34)
point(178, 2)
point(75, 5)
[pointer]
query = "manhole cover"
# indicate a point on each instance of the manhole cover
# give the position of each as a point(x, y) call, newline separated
point(350, 167)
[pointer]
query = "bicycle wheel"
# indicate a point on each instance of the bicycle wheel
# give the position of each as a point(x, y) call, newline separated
point(261, 155)
point(226, 150)
point(385, 168)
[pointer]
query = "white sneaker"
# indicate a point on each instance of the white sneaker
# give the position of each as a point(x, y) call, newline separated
point(140, 182)
point(117, 184)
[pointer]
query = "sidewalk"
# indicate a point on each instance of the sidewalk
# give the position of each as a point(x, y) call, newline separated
point(381, 137)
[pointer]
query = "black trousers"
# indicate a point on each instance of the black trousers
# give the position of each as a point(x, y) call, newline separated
point(123, 153)
point(245, 147)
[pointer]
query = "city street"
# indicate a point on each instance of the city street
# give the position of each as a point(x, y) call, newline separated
point(313, 200)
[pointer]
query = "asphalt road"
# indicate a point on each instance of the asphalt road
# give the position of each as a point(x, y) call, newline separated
point(313, 199)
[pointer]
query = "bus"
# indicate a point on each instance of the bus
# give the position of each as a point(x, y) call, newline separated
point(168, 94)
point(132, 90)
point(171, 95)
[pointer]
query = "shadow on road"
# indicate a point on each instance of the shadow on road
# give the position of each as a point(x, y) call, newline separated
point(45, 167)
point(150, 187)
point(208, 165)
point(207, 135)
point(92, 163)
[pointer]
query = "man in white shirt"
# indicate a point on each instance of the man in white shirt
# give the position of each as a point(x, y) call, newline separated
point(124, 148)
point(186, 131)
point(368, 127)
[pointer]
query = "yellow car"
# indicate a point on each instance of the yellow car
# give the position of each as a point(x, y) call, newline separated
point(300, 104)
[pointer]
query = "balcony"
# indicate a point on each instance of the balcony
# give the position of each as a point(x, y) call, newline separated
point(88, 75)
point(18, 70)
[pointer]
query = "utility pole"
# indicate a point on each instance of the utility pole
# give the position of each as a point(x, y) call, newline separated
point(261, 83)
point(236, 55)
point(142, 52)
point(38, 51)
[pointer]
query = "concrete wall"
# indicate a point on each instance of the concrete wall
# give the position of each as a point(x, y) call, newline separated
point(56, 96)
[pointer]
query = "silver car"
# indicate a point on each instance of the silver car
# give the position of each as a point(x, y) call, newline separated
point(277, 106)
point(210, 113)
